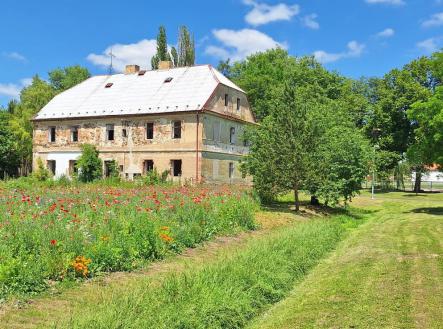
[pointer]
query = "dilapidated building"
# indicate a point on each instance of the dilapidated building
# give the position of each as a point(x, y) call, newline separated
point(187, 120)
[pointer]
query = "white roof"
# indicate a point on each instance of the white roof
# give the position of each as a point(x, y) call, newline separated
point(189, 90)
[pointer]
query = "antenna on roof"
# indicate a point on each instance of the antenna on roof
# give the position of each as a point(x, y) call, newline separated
point(112, 56)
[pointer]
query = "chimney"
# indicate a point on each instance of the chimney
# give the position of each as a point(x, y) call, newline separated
point(165, 65)
point(131, 69)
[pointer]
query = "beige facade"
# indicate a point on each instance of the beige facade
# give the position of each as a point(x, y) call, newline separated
point(204, 145)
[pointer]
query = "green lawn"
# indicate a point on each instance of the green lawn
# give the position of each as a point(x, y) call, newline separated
point(387, 274)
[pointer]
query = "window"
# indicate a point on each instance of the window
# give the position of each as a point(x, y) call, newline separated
point(226, 99)
point(110, 132)
point(231, 170)
point(169, 79)
point(176, 168)
point(216, 131)
point(51, 134)
point(108, 168)
point(232, 135)
point(177, 129)
point(73, 167)
point(238, 104)
point(148, 166)
point(120, 168)
point(141, 72)
point(74, 134)
point(50, 164)
point(109, 85)
point(124, 132)
point(150, 130)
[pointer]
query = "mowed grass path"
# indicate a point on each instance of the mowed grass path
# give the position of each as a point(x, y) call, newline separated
point(387, 274)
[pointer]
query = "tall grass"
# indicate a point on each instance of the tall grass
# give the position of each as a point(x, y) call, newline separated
point(224, 294)
point(59, 233)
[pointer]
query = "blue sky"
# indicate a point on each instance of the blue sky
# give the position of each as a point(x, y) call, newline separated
point(355, 37)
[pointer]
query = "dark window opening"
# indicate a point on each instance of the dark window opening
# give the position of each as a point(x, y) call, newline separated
point(232, 135)
point(52, 134)
point(169, 79)
point(50, 164)
point(177, 129)
point(108, 168)
point(124, 133)
point(150, 130)
point(238, 104)
point(109, 85)
point(231, 169)
point(142, 72)
point(120, 168)
point(74, 134)
point(176, 168)
point(226, 99)
point(110, 132)
point(148, 166)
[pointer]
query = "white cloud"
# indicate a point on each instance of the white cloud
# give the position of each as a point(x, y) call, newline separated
point(139, 53)
point(355, 49)
point(387, 33)
point(435, 20)
point(310, 21)
point(387, 2)
point(12, 90)
point(15, 56)
point(262, 13)
point(239, 44)
point(430, 45)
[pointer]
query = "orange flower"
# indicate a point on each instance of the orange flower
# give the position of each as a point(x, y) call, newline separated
point(80, 265)
point(166, 238)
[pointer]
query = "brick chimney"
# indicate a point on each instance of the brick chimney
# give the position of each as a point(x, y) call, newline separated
point(131, 69)
point(165, 65)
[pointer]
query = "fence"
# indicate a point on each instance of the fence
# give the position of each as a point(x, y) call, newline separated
point(391, 184)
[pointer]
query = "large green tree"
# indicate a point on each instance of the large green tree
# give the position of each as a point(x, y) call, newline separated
point(9, 159)
point(65, 78)
point(427, 116)
point(162, 49)
point(186, 47)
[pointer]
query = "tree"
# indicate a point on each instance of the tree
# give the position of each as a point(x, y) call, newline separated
point(9, 159)
point(174, 56)
point(68, 77)
point(186, 48)
point(89, 164)
point(162, 49)
point(225, 67)
point(427, 115)
point(391, 97)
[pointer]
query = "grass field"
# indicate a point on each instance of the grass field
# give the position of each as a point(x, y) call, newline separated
point(379, 266)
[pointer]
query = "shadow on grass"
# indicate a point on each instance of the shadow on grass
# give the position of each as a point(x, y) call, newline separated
point(309, 211)
point(430, 210)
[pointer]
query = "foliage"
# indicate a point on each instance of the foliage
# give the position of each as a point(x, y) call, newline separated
point(186, 48)
point(183, 56)
point(68, 77)
point(162, 49)
point(153, 177)
point(41, 173)
point(59, 233)
point(89, 164)
point(307, 142)
point(9, 159)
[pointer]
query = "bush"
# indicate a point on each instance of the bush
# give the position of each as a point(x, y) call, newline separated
point(89, 164)
point(41, 173)
point(153, 177)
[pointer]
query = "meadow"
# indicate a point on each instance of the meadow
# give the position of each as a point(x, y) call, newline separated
point(56, 233)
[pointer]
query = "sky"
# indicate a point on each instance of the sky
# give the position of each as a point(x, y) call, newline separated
point(354, 37)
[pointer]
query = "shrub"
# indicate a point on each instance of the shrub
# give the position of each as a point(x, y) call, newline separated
point(153, 177)
point(89, 164)
point(41, 173)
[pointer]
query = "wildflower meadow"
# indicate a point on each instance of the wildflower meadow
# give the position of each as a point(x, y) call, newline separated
point(51, 234)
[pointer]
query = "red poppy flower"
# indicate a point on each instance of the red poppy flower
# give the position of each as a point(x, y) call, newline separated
point(53, 242)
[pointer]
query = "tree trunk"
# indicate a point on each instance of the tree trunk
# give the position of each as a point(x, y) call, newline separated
point(297, 200)
point(417, 185)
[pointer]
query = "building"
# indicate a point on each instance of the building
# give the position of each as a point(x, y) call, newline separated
point(187, 120)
